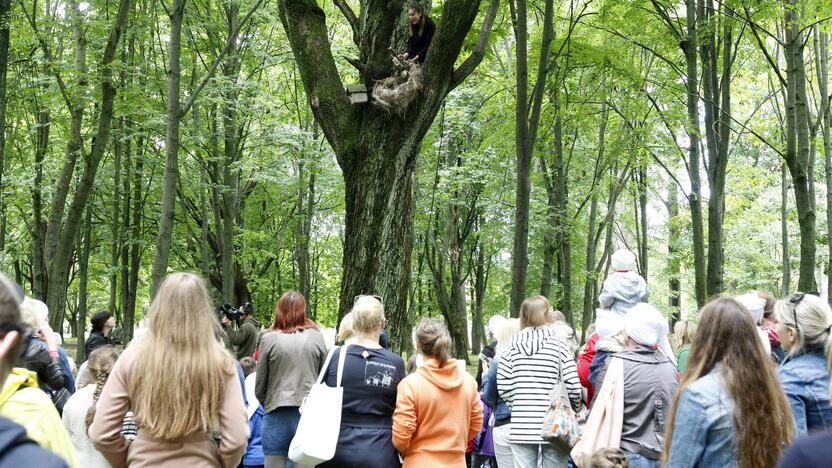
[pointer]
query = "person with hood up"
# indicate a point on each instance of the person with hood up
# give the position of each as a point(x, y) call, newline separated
point(17, 448)
point(611, 340)
point(530, 367)
point(438, 409)
point(650, 380)
point(624, 287)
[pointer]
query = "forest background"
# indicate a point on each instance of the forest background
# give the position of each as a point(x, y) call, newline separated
point(145, 136)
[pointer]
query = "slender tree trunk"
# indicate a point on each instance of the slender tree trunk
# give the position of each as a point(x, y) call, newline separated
point(519, 257)
point(786, 286)
point(129, 314)
point(692, 128)
point(39, 268)
point(525, 138)
point(673, 261)
point(5, 26)
point(166, 220)
point(231, 174)
point(822, 54)
point(115, 232)
point(591, 239)
point(797, 144)
point(83, 274)
point(642, 211)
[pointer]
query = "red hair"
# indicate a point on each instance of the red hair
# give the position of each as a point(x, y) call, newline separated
point(290, 314)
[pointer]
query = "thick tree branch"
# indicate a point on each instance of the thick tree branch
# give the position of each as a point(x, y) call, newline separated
point(478, 53)
point(351, 19)
point(305, 25)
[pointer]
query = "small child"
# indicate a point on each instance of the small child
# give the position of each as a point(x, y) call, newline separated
point(609, 458)
point(623, 288)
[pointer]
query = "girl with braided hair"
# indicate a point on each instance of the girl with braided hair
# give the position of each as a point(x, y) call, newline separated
point(80, 408)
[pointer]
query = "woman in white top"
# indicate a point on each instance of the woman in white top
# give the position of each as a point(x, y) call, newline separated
point(80, 408)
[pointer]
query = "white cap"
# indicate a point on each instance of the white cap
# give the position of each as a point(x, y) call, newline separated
point(645, 324)
point(754, 304)
point(623, 260)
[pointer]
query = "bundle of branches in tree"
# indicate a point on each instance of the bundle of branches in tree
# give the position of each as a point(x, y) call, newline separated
point(395, 93)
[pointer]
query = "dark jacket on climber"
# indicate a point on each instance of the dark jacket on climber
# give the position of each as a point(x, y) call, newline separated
point(419, 41)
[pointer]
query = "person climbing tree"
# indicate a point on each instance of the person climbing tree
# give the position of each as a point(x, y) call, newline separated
point(421, 30)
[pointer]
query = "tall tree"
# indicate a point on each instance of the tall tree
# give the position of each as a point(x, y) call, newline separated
point(525, 137)
point(377, 151)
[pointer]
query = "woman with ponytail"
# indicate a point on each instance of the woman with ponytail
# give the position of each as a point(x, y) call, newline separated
point(80, 408)
point(804, 322)
point(730, 409)
point(438, 409)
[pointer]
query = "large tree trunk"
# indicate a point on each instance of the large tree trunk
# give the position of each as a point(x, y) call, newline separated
point(797, 144)
point(165, 236)
point(377, 151)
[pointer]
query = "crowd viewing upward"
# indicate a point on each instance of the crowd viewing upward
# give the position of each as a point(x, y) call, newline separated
point(744, 384)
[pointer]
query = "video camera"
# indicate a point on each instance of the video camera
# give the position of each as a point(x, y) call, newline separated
point(230, 312)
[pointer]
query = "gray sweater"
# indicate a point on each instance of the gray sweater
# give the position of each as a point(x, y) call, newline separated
point(289, 364)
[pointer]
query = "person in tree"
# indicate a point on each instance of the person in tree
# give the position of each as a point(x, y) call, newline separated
point(420, 34)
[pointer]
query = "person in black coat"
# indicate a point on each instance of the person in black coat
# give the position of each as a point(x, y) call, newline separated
point(102, 323)
point(420, 35)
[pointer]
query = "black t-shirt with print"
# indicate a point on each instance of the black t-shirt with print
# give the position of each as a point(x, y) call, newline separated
point(370, 379)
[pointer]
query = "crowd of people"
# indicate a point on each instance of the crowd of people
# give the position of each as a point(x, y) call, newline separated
point(744, 383)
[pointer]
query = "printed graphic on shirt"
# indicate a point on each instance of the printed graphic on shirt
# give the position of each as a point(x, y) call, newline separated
point(379, 374)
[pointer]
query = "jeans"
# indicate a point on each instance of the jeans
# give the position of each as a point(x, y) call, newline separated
point(526, 456)
point(640, 461)
point(502, 446)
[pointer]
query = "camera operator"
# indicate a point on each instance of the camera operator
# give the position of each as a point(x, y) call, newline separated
point(244, 337)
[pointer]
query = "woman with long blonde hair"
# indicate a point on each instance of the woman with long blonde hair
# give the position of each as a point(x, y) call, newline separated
point(180, 384)
point(730, 409)
point(683, 332)
point(804, 324)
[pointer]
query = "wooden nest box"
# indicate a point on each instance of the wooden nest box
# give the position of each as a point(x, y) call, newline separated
point(357, 93)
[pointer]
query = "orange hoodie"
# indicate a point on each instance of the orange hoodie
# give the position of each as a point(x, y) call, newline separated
point(438, 411)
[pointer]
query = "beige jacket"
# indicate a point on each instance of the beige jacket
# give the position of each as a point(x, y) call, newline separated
point(289, 364)
point(199, 450)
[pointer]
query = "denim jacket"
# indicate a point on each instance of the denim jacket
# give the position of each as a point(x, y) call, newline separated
point(703, 432)
point(805, 380)
point(489, 388)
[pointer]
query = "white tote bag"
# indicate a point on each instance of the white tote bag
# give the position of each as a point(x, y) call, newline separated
point(320, 418)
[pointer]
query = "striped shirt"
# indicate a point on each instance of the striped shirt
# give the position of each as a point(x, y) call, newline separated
point(526, 376)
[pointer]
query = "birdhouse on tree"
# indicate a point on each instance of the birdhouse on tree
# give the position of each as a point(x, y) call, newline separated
point(357, 93)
